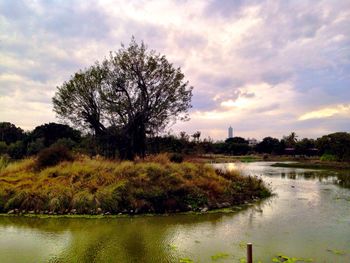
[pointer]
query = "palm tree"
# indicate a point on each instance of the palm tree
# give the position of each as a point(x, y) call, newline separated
point(291, 139)
point(196, 136)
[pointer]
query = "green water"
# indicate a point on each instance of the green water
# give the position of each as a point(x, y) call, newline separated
point(308, 218)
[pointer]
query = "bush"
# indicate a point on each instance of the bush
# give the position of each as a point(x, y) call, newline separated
point(52, 156)
point(328, 157)
point(176, 158)
point(16, 150)
point(3, 147)
point(66, 142)
point(4, 161)
point(35, 146)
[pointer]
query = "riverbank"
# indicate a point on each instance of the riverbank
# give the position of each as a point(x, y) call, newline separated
point(220, 158)
point(226, 210)
point(316, 164)
point(103, 187)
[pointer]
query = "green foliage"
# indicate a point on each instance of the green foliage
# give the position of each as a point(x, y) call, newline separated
point(4, 161)
point(186, 260)
point(269, 145)
point(172, 247)
point(36, 146)
point(3, 147)
point(16, 150)
point(219, 256)
point(328, 157)
point(9, 133)
point(236, 146)
point(50, 133)
point(52, 156)
point(66, 142)
point(337, 144)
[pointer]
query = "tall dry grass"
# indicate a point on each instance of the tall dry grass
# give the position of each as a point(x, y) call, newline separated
point(97, 185)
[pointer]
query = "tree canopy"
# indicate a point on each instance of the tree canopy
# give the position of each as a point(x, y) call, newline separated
point(134, 92)
point(51, 132)
point(9, 133)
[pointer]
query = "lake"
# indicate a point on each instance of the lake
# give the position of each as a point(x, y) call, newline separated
point(309, 218)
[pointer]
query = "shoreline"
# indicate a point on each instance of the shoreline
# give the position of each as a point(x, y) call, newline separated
point(343, 166)
point(214, 158)
point(226, 210)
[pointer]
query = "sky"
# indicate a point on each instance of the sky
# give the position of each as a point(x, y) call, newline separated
point(266, 68)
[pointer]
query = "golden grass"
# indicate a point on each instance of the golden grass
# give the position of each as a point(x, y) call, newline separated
point(97, 185)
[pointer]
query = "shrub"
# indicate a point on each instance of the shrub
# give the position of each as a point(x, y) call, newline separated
point(3, 147)
point(66, 142)
point(328, 157)
point(16, 150)
point(176, 158)
point(35, 146)
point(4, 161)
point(52, 156)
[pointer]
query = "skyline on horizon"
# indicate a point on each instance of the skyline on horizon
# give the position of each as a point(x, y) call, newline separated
point(268, 68)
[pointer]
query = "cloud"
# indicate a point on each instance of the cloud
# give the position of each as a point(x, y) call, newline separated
point(328, 112)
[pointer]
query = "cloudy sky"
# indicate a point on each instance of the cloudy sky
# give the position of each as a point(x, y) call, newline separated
point(264, 67)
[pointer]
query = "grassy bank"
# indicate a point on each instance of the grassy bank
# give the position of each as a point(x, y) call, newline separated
point(97, 186)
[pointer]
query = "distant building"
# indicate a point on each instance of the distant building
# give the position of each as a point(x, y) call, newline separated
point(230, 132)
point(289, 151)
point(252, 142)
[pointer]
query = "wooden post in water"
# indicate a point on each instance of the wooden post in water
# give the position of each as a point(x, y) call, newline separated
point(249, 253)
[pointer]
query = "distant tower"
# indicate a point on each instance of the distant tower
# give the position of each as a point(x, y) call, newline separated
point(230, 132)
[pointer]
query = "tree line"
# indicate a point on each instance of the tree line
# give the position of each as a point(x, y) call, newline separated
point(18, 144)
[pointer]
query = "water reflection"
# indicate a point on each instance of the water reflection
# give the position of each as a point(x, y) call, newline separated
point(341, 178)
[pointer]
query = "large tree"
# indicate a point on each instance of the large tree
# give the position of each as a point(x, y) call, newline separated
point(135, 92)
point(337, 144)
point(268, 145)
